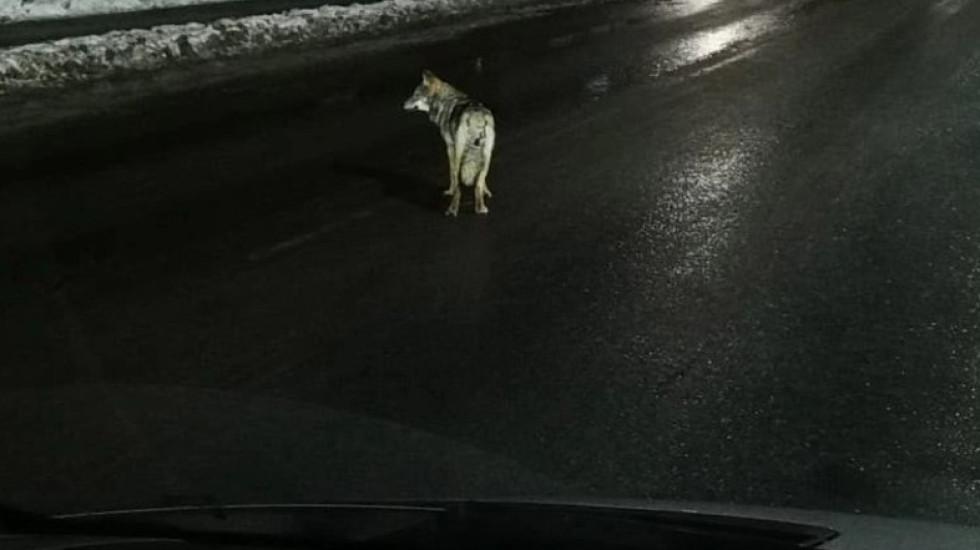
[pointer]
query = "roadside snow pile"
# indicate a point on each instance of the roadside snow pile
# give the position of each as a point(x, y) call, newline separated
point(73, 60)
point(21, 10)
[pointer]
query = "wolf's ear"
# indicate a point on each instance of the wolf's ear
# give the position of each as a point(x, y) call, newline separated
point(428, 77)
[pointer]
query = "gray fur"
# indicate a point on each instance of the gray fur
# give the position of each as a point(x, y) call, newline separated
point(468, 129)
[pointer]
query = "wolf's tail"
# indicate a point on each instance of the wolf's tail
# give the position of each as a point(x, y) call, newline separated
point(479, 134)
point(473, 158)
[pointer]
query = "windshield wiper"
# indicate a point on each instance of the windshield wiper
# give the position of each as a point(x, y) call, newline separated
point(440, 524)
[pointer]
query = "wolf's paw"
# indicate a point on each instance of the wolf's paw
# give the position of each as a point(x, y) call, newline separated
point(448, 192)
point(451, 212)
point(484, 210)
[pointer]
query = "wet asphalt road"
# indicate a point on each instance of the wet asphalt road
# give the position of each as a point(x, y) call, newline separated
point(733, 254)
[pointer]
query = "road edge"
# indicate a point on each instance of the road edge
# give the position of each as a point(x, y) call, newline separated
point(120, 54)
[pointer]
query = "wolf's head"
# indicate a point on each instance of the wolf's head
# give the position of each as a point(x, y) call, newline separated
point(421, 98)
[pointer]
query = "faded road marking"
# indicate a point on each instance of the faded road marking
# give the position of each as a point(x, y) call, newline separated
point(300, 240)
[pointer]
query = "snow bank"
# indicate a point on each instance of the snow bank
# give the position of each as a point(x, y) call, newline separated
point(83, 59)
point(19, 10)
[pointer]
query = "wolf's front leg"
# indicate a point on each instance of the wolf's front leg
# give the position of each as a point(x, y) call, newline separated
point(453, 170)
point(453, 209)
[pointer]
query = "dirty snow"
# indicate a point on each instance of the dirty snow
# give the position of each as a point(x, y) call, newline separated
point(22, 10)
point(88, 58)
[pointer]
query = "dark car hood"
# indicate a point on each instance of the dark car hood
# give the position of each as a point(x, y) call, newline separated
point(864, 532)
point(857, 531)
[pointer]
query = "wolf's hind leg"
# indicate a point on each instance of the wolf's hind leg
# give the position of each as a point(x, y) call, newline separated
point(481, 189)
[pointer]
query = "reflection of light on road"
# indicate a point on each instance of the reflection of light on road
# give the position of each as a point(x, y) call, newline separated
point(945, 8)
point(694, 208)
point(685, 8)
point(598, 85)
point(698, 211)
point(705, 44)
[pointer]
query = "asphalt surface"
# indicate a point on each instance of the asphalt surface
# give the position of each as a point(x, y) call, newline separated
point(733, 255)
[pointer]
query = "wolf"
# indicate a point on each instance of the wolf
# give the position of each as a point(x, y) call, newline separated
point(469, 131)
